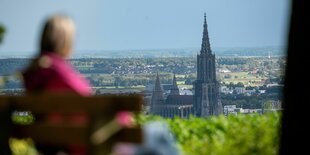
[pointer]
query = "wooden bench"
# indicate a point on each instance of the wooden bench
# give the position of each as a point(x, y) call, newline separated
point(99, 110)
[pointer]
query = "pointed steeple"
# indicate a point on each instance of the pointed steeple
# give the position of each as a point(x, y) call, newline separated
point(157, 94)
point(157, 84)
point(174, 89)
point(207, 100)
point(205, 21)
point(205, 45)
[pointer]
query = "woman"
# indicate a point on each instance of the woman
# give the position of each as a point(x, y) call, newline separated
point(50, 71)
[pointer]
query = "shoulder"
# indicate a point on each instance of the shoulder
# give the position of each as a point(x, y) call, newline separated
point(38, 74)
point(68, 77)
point(52, 73)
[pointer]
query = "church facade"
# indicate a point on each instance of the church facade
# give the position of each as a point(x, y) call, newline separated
point(174, 104)
point(205, 101)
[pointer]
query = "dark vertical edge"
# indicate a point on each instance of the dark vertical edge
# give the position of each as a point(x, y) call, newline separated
point(5, 128)
point(295, 128)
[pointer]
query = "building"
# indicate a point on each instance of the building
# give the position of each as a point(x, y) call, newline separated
point(206, 98)
point(174, 104)
point(225, 90)
point(240, 90)
point(230, 110)
point(157, 98)
point(233, 110)
point(205, 101)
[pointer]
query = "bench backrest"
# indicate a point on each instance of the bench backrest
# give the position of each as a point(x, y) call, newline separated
point(97, 110)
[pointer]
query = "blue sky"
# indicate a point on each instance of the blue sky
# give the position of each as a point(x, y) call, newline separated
point(148, 24)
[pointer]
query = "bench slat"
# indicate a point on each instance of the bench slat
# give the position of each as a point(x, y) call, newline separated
point(75, 103)
point(53, 134)
point(98, 109)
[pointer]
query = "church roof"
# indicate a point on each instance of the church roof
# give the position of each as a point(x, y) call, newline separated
point(180, 99)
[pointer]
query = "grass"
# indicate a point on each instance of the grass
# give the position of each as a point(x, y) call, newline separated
point(243, 77)
point(180, 82)
point(187, 86)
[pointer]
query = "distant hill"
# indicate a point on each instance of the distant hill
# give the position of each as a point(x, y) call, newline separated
point(157, 53)
point(189, 52)
point(261, 51)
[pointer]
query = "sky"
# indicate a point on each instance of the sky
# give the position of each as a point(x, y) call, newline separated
point(148, 24)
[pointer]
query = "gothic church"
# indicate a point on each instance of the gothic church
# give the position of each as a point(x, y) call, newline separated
point(205, 101)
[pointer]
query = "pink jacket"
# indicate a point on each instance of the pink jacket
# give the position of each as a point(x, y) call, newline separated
point(52, 73)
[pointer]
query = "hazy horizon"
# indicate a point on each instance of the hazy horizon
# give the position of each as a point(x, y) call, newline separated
point(152, 53)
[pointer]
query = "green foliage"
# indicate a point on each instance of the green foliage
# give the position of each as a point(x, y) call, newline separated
point(22, 146)
point(220, 135)
point(2, 31)
point(131, 72)
point(22, 117)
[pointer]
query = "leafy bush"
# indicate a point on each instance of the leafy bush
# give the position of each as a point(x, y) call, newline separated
point(2, 31)
point(220, 135)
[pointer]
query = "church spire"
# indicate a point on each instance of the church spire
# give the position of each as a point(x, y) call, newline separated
point(157, 84)
point(157, 95)
point(205, 18)
point(174, 89)
point(205, 45)
point(207, 99)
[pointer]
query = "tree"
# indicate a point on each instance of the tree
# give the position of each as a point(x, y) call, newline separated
point(2, 31)
point(227, 76)
point(239, 84)
point(117, 81)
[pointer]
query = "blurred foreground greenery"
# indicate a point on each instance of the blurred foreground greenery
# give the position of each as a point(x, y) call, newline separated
point(22, 146)
point(220, 135)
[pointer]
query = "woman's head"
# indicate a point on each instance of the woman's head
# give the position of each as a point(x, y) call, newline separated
point(58, 35)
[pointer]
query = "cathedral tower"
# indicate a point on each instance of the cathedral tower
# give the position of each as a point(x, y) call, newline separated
point(157, 95)
point(206, 99)
point(174, 89)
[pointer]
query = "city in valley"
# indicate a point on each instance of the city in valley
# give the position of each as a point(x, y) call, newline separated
point(180, 82)
point(250, 81)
